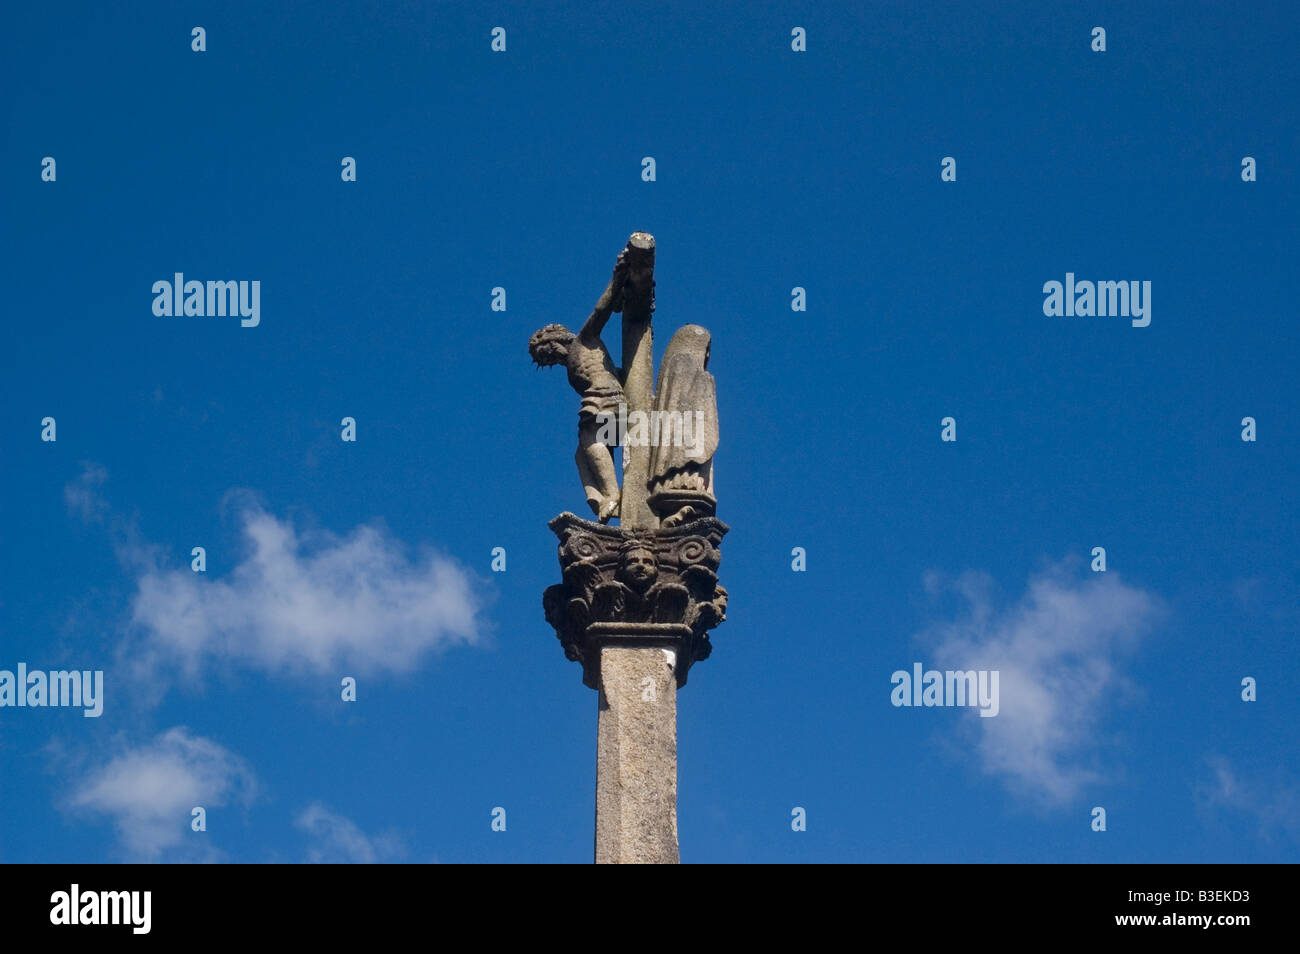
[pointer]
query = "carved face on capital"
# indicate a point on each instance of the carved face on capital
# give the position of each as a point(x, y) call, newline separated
point(637, 570)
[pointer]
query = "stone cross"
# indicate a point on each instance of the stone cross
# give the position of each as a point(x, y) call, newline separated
point(637, 600)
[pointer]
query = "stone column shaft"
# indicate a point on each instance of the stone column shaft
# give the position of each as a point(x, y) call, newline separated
point(636, 757)
point(636, 745)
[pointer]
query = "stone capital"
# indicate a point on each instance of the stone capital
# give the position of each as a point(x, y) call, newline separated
point(637, 588)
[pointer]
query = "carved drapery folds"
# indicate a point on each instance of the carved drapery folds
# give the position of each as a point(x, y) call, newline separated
point(636, 588)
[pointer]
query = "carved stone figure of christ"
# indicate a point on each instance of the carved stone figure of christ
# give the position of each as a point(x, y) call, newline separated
point(593, 375)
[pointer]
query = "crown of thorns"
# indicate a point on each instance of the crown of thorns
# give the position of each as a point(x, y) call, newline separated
point(550, 333)
point(544, 338)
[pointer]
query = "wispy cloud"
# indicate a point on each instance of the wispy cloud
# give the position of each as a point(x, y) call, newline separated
point(151, 790)
point(1060, 650)
point(338, 840)
point(84, 495)
point(1274, 807)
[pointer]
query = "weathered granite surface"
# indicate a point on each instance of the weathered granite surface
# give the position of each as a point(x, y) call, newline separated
point(637, 600)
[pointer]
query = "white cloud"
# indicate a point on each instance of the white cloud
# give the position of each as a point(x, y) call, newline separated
point(338, 840)
point(150, 791)
point(1060, 651)
point(314, 602)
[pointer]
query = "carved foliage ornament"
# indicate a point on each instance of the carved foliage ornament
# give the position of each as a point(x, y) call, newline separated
point(623, 587)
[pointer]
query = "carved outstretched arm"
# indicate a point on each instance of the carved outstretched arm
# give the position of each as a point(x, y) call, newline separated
point(610, 301)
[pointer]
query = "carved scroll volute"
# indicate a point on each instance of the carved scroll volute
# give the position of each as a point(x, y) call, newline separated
point(660, 587)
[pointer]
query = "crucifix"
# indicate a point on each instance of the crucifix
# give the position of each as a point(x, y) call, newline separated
point(638, 598)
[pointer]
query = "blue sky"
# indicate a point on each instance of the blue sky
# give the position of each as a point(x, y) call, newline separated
point(775, 169)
